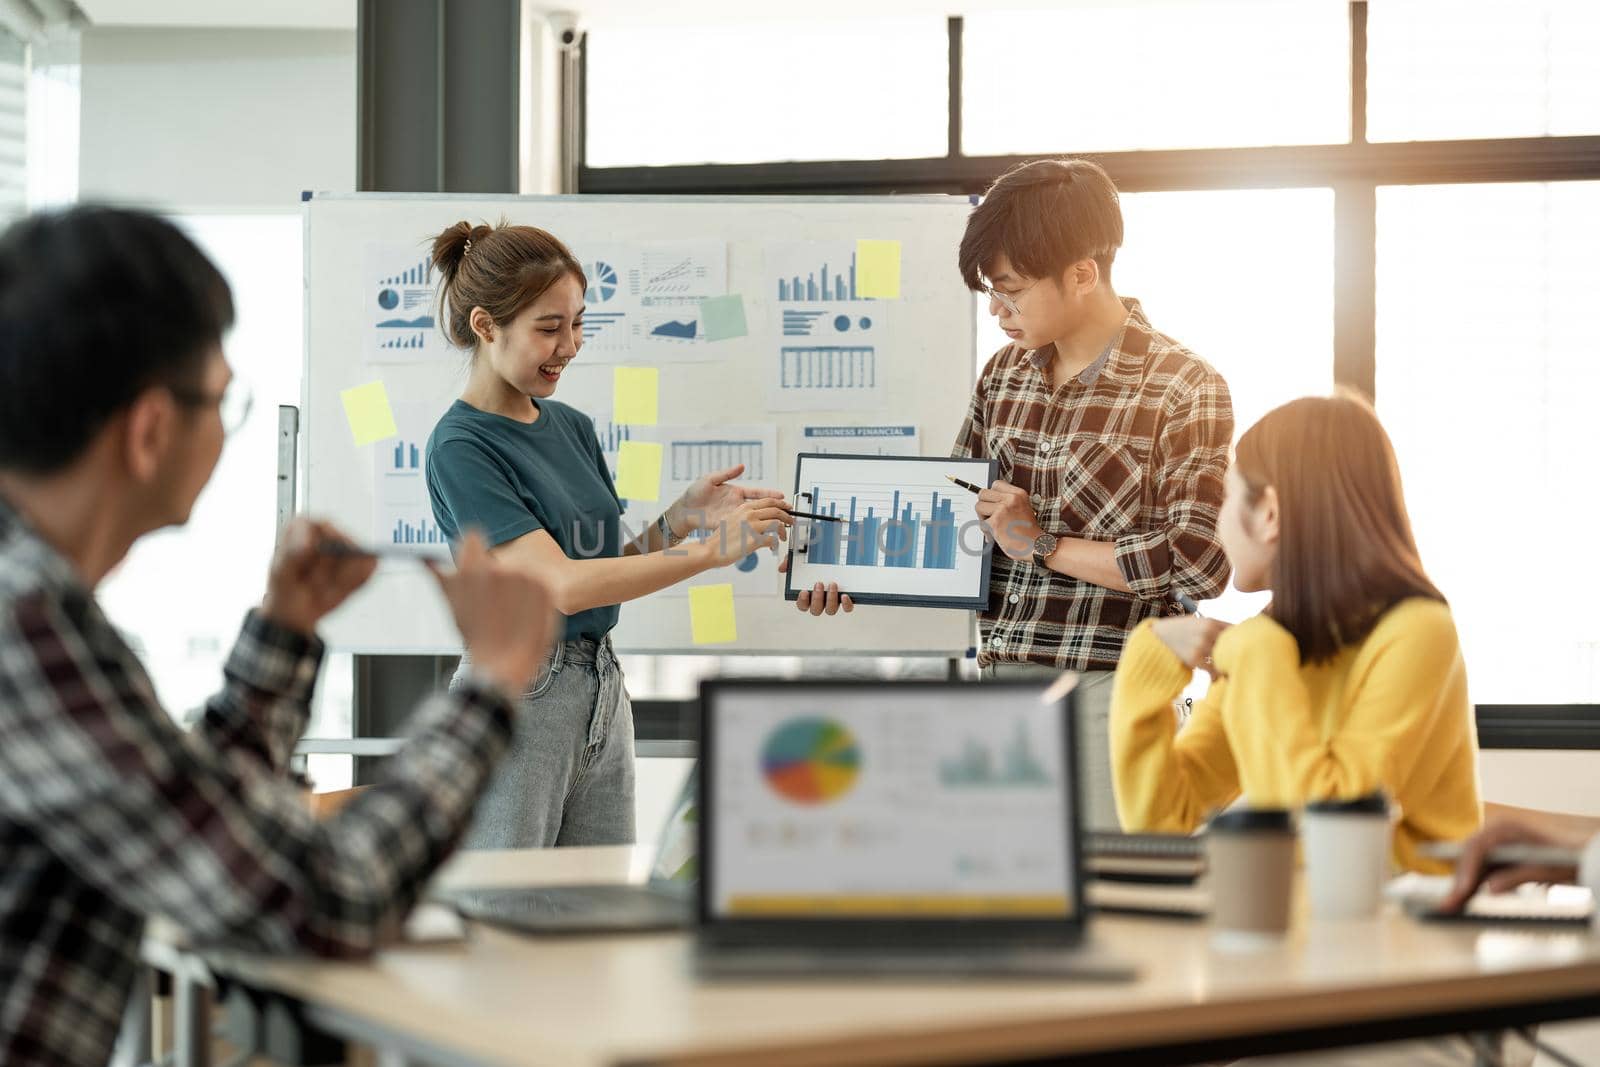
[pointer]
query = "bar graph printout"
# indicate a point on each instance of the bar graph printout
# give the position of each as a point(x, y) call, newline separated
point(402, 516)
point(830, 340)
point(906, 534)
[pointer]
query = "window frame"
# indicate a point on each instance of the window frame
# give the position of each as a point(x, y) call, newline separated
point(1353, 170)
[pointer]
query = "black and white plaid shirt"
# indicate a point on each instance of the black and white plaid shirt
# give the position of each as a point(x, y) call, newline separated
point(109, 812)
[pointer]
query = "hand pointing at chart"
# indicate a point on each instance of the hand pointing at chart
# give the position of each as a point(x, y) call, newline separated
point(712, 499)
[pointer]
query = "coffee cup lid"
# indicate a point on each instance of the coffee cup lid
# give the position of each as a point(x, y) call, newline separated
point(1253, 820)
point(1375, 803)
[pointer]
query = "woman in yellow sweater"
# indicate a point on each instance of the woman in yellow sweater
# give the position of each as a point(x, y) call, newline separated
point(1352, 680)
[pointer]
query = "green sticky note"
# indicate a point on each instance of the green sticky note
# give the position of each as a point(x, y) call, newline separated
point(723, 317)
point(633, 396)
point(711, 614)
point(878, 269)
point(367, 409)
point(639, 470)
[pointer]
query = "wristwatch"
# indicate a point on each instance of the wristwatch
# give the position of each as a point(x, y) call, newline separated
point(1044, 546)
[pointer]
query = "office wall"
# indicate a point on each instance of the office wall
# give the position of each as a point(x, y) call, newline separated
point(217, 120)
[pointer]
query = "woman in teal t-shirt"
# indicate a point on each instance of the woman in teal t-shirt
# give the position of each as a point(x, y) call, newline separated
point(528, 472)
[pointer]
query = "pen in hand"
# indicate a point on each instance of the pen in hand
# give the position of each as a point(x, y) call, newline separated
point(344, 549)
point(968, 486)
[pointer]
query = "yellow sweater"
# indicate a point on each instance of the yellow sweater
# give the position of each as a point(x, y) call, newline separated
point(1391, 712)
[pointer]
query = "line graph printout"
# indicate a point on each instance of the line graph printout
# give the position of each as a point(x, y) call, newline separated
point(903, 534)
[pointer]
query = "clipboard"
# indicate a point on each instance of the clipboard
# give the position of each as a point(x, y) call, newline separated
point(908, 537)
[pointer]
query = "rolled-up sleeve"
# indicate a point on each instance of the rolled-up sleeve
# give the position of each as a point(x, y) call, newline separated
point(1184, 554)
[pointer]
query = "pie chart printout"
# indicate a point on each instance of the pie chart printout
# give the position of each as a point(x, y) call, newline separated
point(810, 760)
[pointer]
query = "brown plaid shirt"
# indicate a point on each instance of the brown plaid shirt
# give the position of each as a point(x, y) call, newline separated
point(1131, 451)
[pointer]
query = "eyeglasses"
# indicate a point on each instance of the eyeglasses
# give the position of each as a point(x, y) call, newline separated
point(1005, 300)
point(233, 403)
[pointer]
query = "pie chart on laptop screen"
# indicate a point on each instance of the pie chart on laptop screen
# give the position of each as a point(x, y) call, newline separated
point(811, 760)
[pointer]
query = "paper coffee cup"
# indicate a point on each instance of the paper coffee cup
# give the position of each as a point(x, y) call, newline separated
point(1347, 855)
point(1250, 855)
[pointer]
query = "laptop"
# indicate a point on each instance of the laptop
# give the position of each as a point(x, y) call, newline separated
point(896, 828)
point(665, 902)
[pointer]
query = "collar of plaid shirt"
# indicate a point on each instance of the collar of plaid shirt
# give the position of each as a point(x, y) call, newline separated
point(36, 554)
point(1126, 369)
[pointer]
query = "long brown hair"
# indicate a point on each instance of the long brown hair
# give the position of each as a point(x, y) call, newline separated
point(501, 269)
point(1346, 553)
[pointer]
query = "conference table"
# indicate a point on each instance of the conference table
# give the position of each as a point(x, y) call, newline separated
point(501, 998)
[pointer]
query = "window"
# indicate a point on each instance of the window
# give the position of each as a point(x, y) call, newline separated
point(757, 91)
point(54, 78)
point(1483, 350)
point(1444, 70)
point(1103, 76)
point(13, 126)
point(1244, 278)
point(181, 594)
point(1488, 365)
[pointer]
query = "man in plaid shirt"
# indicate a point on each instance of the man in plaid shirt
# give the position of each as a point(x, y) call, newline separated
point(113, 400)
point(1112, 441)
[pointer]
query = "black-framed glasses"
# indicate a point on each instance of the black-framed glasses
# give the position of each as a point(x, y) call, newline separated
point(233, 403)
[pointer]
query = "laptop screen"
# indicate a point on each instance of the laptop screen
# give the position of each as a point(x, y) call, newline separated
point(864, 801)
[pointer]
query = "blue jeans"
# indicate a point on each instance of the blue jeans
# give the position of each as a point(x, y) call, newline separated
point(567, 778)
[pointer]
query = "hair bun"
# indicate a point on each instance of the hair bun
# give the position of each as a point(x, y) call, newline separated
point(453, 244)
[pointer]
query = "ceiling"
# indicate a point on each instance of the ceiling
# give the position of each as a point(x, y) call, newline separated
point(341, 14)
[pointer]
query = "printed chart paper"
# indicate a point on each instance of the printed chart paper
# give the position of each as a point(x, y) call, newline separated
point(861, 440)
point(644, 301)
point(402, 294)
point(907, 535)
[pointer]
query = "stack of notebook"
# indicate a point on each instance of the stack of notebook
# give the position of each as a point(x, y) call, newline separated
point(1147, 874)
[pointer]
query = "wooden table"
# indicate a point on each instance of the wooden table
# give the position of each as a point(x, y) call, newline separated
point(503, 998)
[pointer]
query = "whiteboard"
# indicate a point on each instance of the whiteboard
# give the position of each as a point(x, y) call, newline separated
point(924, 375)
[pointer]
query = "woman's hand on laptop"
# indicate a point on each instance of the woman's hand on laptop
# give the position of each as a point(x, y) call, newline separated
point(304, 582)
point(1474, 869)
point(506, 615)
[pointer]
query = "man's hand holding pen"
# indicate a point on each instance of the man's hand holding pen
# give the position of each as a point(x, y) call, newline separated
point(1008, 517)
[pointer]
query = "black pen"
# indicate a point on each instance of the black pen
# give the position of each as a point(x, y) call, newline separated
point(813, 515)
point(968, 486)
point(349, 551)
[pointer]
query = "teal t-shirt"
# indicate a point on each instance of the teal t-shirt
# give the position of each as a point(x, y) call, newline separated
point(508, 478)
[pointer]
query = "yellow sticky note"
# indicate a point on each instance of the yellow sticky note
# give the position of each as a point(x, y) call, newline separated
point(633, 396)
point(367, 408)
point(878, 269)
point(711, 614)
point(639, 470)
